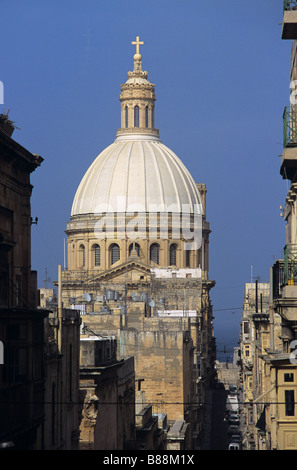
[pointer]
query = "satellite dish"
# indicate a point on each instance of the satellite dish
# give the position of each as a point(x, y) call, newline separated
point(87, 297)
point(151, 303)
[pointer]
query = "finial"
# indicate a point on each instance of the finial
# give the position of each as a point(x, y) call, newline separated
point(137, 56)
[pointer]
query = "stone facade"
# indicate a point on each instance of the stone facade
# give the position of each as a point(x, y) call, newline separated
point(268, 336)
point(22, 375)
point(61, 396)
point(137, 280)
point(107, 390)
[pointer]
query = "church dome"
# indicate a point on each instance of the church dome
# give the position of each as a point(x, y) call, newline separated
point(137, 172)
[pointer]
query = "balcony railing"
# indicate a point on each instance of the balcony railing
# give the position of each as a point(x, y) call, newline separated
point(290, 265)
point(290, 127)
point(289, 5)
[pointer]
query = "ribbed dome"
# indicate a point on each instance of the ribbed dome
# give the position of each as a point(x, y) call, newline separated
point(136, 173)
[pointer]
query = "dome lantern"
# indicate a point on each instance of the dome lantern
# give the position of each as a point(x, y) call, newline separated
point(137, 100)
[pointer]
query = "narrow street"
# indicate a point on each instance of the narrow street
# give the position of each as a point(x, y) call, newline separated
point(216, 437)
point(219, 438)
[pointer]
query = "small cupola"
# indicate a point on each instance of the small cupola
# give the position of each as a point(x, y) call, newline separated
point(137, 100)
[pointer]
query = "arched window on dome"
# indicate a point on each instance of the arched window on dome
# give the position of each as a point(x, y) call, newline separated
point(172, 254)
point(114, 253)
point(82, 256)
point(136, 116)
point(96, 255)
point(137, 248)
point(154, 253)
point(126, 116)
point(146, 116)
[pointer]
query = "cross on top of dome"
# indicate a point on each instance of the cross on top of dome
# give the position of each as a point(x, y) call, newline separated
point(137, 43)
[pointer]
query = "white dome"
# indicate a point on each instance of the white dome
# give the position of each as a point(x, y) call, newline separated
point(136, 172)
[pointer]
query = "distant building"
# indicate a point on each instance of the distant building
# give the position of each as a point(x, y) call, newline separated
point(138, 263)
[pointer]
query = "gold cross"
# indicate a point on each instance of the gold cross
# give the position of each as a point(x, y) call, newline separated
point(137, 43)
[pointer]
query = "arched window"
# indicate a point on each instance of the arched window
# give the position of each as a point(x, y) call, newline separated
point(82, 256)
point(146, 117)
point(114, 253)
point(136, 116)
point(154, 253)
point(172, 254)
point(126, 116)
point(97, 255)
point(137, 248)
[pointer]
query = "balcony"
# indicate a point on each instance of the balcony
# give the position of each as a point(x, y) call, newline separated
point(290, 127)
point(284, 272)
point(260, 317)
point(289, 29)
point(277, 278)
point(290, 265)
point(285, 284)
point(289, 156)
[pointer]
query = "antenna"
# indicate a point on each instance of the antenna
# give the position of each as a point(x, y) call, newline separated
point(45, 280)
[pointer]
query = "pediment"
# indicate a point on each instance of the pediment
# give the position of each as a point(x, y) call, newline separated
point(122, 270)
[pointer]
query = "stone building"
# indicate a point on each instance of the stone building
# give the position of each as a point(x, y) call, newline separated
point(138, 262)
point(22, 375)
point(260, 330)
point(62, 326)
point(107, 391)
point(39, 373)
point(269, 340)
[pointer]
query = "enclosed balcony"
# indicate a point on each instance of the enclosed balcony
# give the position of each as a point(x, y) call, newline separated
point(289, 156)
point(277, 278)
point(290, 265)
point(290, 127)
point(289, 29)
point(286, 304)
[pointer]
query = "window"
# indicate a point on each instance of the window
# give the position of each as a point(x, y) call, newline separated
point(97, 254)
point(82, 256)
point(289, 377)
point(187, 258)
point(146, 117)
point(289, 403)
point(137, 248)
point(246, 328)
point(114, 253)
point(136, 116)
point(126, 116)
point(172, 254)
point(154, 253)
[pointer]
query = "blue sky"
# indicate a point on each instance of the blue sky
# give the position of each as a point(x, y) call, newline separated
point(221, 73)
